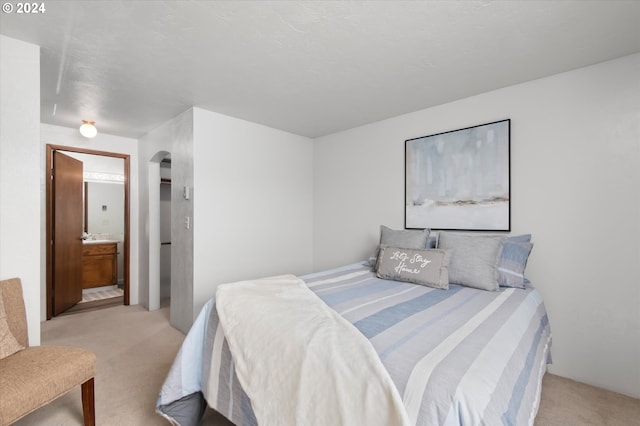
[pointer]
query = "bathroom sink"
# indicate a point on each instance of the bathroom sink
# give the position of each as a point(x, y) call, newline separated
point(99, 241)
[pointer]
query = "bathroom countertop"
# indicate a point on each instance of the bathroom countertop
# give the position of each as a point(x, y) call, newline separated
point(99, 241)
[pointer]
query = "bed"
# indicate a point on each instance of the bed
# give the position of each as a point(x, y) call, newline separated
point(456, 356)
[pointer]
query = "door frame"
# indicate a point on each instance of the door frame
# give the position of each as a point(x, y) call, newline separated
point(50, 148)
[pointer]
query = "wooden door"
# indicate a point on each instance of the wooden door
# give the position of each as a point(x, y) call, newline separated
point(67, 232)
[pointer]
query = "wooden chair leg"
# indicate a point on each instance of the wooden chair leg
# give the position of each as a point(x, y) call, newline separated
point(88, 403)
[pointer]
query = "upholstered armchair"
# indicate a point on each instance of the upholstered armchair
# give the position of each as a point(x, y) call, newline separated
point(31, 377)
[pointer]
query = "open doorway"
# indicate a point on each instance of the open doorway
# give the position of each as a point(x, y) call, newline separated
point(102, 233)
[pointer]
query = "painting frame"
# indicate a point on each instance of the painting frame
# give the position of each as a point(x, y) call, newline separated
point(460, 180)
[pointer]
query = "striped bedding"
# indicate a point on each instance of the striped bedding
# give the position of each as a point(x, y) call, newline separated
point(457, 357)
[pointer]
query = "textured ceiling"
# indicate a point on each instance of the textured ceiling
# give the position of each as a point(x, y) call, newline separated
point(311, 68)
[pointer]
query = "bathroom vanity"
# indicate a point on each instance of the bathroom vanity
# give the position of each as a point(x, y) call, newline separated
point(99, 263)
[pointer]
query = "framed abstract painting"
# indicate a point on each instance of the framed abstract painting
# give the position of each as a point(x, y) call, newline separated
point(459, 180)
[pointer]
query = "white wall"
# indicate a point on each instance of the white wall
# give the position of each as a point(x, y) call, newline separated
point(97, 168)
point(252, 199)
point(575, 174)
point(250, 206)
point(70, 137)
point(20, 180)
point(173, 137)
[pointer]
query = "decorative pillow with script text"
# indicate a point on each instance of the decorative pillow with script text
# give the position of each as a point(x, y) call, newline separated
point(428, 267)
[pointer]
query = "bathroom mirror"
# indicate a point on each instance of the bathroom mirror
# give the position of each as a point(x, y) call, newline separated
point(103, 194)
point(103, 208)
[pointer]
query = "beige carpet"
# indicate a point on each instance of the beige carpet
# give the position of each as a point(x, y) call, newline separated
point(135, 349)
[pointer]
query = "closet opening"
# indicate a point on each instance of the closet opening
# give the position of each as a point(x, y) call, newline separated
point(160, 252)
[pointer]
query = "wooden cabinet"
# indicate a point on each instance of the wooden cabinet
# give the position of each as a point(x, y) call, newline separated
point(99, 265)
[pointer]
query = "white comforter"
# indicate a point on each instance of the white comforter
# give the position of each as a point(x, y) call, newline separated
point(299, 361)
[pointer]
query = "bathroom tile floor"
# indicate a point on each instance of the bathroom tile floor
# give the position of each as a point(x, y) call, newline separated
point(97, 300)
point(99, 295)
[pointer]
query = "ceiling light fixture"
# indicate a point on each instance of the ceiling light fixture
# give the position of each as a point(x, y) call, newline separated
point(88, 129)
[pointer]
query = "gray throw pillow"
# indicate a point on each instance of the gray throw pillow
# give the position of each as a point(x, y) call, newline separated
point(513, 261)
point(474, 262)
point(405, 238)
point(428, 267)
